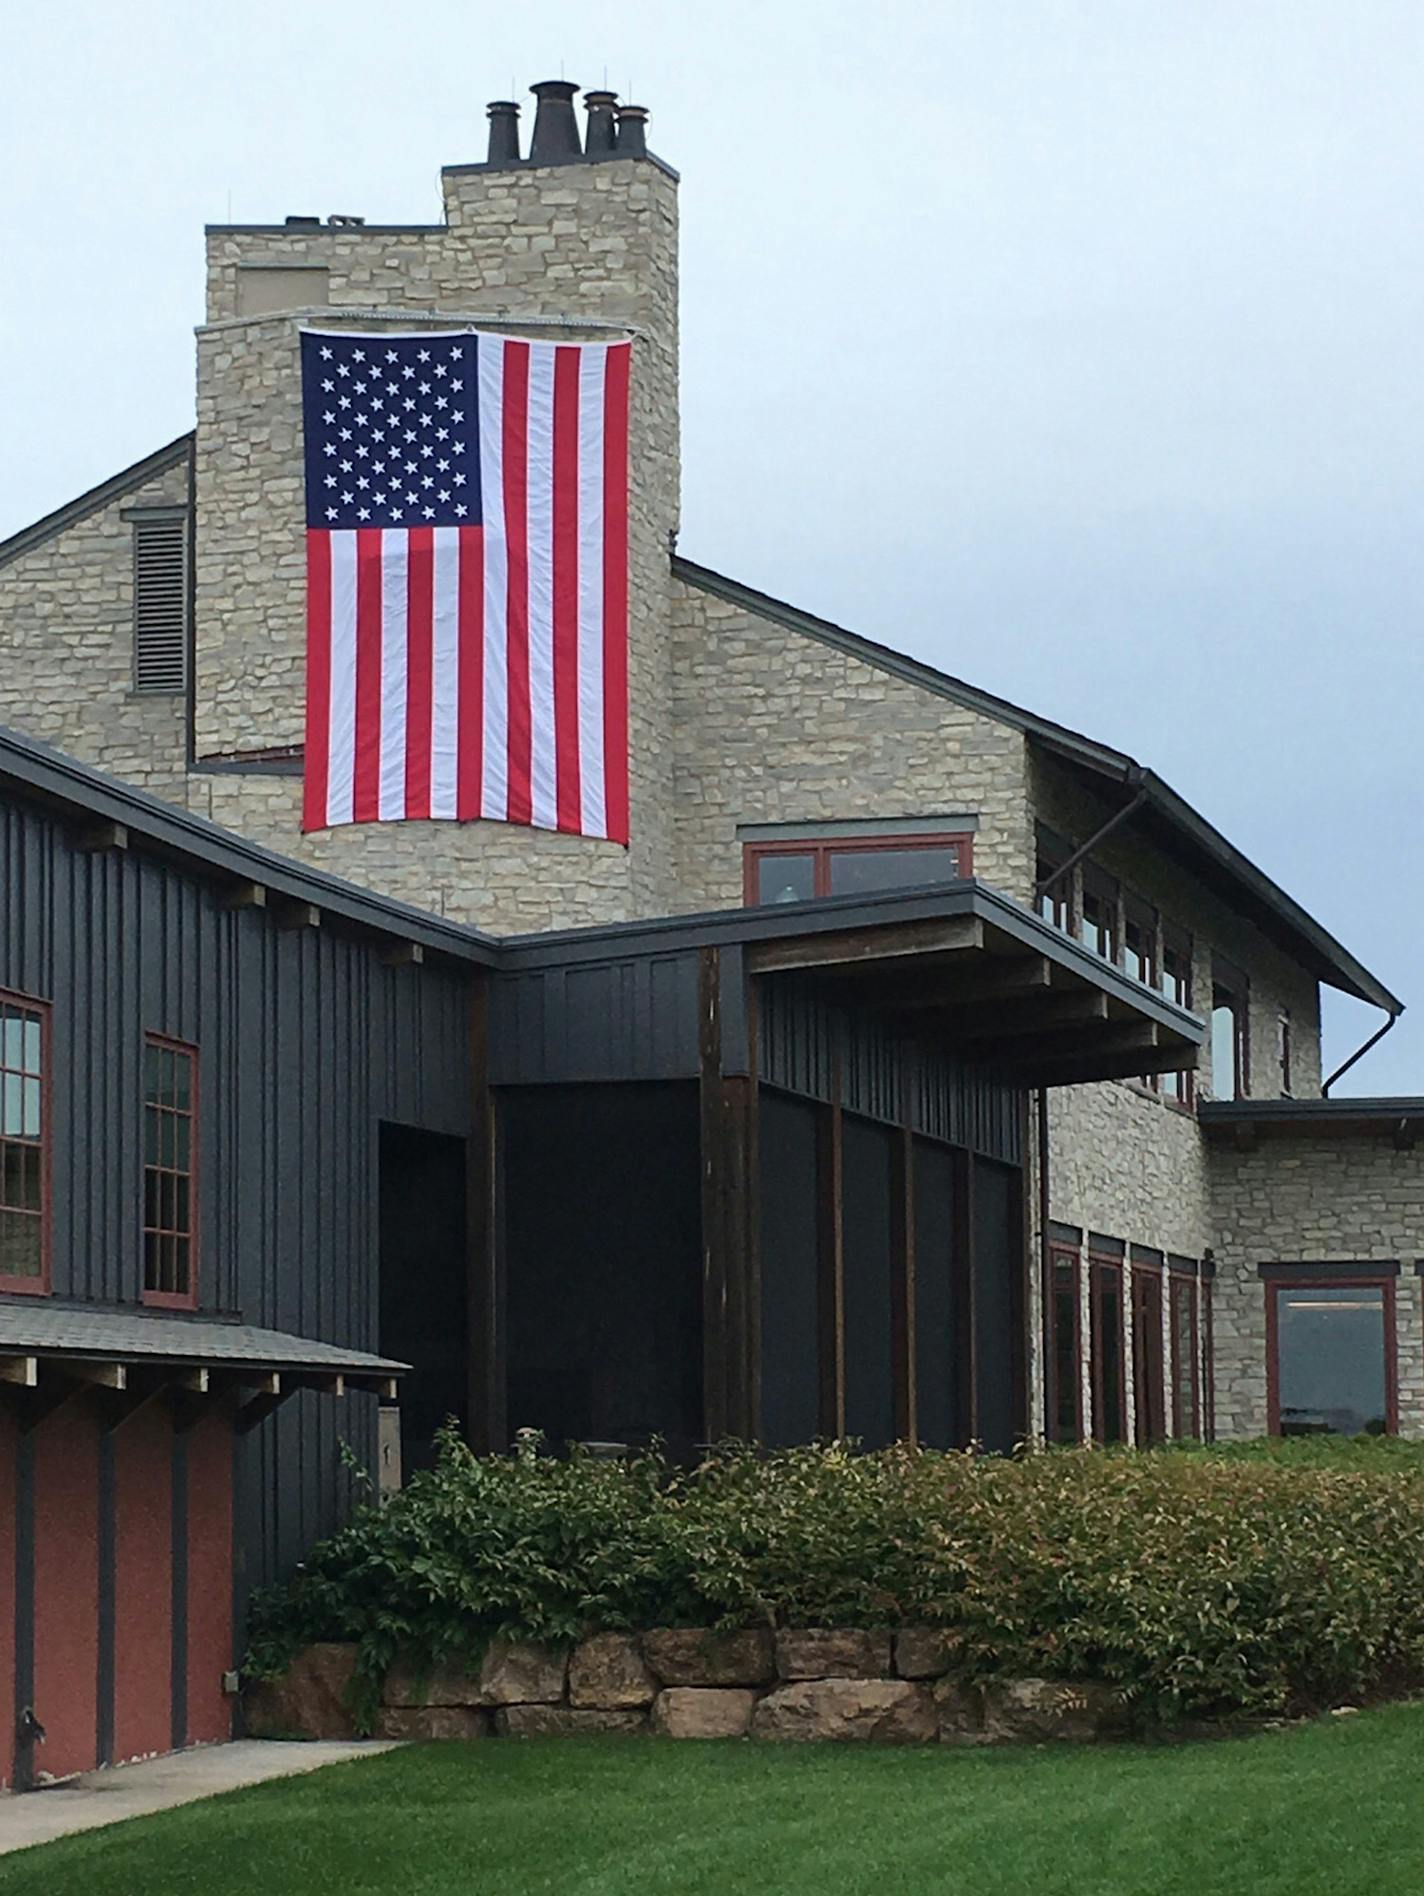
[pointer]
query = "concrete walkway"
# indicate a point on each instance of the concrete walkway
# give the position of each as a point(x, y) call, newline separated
point(136, 1790)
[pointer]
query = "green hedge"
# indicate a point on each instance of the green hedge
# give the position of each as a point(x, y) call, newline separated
point(1204, 1582)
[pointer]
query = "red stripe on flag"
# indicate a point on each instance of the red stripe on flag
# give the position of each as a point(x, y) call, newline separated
point(419, 668)
point(615, 589)
point(470, 733)
point(566, 588)
point(366, 799)
point(317, 764)
point(515, 463)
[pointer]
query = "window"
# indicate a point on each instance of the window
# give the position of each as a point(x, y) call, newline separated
point(1065, 1325)
point(170, 1114)
point(1186, 1382)
point(160, 591)
point(1229, 1034)
point(1285, 1053)
point(1100, 899)
point(24, 1144)
point(1147, 1372)
point(800, 871)
point(1055, 902)
point(1109, 1386)
point(1177, 986)
point(1330, 1353)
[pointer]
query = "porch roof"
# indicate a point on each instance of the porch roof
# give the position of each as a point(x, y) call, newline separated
point(956, 963)
point(1243, 1122)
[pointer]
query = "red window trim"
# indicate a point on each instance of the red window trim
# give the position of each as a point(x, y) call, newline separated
point(1276, 1283)
point(39, 1286)
point(169, 1299)
point(1059, 1255)
point(821, 849)
point(1100, 1264)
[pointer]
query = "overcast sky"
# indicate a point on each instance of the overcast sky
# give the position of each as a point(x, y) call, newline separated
point(1074, 348)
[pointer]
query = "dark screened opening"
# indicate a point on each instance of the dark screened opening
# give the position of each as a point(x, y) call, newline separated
point(1065, 1420)
point(1109, 1423)
point(1330, 1359)
point(936, 1337)
point(998, 1263)
point(867, 1196)
point(603, 1262)
point(1147, 1367)
point(790, 1272)
point(424, 1309)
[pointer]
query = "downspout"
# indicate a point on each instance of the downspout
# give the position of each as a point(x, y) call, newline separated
point(1375, 1038)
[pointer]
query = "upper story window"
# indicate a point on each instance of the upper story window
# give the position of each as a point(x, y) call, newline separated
point(1100, 912)
point(160, 593)
point(800, 869)
point(24, 1145)
point(170, 1124)
point(1230, 1033)
point(1054, 890)
point(1177, 986)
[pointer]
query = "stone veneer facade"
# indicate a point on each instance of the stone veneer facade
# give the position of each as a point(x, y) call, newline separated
point(737, 717)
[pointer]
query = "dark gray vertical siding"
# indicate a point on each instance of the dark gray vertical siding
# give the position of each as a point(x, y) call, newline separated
point(633, 1019)
point(808, 1045)
point(306, 1042)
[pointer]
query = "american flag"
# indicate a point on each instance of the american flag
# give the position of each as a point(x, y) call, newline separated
point(467, 580)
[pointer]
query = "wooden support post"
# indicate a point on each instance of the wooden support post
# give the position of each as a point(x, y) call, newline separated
point(101, 836)
point(403, 954)
point(246, 895)
point(297, 915)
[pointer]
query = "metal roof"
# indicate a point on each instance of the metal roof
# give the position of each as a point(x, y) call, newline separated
point(1282, 1116)
point(1181, 828)
point(31, 1327)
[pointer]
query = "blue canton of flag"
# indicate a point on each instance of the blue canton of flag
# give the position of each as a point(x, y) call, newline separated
point(392, 430)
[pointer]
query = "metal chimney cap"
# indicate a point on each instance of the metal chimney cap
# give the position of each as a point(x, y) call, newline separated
point(502, 106)
point(554, 89)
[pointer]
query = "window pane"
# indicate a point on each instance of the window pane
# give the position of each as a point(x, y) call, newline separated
point(11, 1111)
point(860, 871)
point(1065, 1355)
point(1107, 1348)
point(786, 878)
point(1225, 1079)
point(1330, 1360)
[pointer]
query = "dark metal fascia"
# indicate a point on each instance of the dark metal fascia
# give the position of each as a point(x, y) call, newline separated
point(1309, 1113)
point(91, 501)
point(573, 158)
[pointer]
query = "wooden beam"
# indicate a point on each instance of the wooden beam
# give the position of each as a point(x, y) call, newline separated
point(101, 1375)
point(245, 895)
point(192, 1382)
point(984, 981)
point(1031, 1014)
point(297, 915)
point(101, 836)
point(403, 954)
point(22, 1371)
point(1057, 1069)
point(867, 946)
point(1051, 1043)
point(324, 1382)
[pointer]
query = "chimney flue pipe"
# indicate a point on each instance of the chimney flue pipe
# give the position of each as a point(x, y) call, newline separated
point(632, 131)
point(601, 137)
point(556, 133)
point(503, 132)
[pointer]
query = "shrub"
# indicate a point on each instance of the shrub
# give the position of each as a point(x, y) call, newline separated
point(1205, 1582)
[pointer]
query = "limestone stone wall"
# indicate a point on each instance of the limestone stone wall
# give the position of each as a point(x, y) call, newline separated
point(66, 645)
point(1311, 1198)
point(772, 726)
point(587, 245)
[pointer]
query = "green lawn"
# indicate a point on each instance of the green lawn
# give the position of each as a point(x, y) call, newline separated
point(1333, 1808)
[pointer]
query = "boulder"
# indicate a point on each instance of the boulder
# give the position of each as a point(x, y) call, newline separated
point(707, 1711)
point(883, 1711)
point(410, 1684)
point(563, 1721)
point(695, 1656)
point(921, 1652)
point(432, 1721)
point(960, 1710)
point(1043, 1711)
point(517, 1672)
point(309, 1700)
point(607, 1673)
point(844, 1652)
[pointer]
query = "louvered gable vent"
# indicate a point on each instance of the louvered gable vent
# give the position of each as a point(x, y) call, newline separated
point(161, 603)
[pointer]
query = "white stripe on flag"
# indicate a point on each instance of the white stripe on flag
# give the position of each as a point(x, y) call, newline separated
point(590, 593)
point(494, 787)
point(445, 674)
point(341, 734)
point(543, 766)
point(395, 616)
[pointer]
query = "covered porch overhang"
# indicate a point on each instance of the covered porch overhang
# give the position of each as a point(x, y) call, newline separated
point(52, 1355)
point(962, 968)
